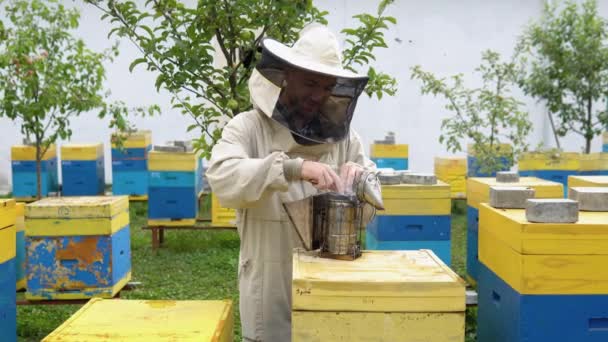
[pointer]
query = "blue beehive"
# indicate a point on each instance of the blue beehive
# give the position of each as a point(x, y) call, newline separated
point(8, 299)
point(130, 164)
point(23, 165)
point(555, 168)
point(77, 247)
point(415, 217)
point(542, 281)
point(174, 183)
point(474, 169)
point(82, 169)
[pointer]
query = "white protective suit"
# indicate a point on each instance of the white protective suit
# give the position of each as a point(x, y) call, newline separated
point(246, 172)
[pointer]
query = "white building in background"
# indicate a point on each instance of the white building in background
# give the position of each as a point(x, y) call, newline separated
point(444, 36)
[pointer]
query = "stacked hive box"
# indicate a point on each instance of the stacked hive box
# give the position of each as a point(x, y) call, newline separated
point(24, 172)
point(587, 181)
point(392, 156)
point(594, 164)
point(20, 252)
point(542, 165)
point(77, 247)
point(221, 215)
point(175, 180)
point(453, 171)
point(474, 169)
point(382, 296)
point(542, 281)
point(478, 192)
point(148, 320)
point(82, 169)
point(415, 217)
point(130, 165)
point(605, 142)
point(8, 299)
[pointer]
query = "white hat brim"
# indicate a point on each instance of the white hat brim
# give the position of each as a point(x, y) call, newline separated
point(287, 55)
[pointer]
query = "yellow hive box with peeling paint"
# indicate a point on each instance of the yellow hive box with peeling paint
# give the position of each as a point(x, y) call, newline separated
point(545, 258)
point(478, 188)
point(389, 151)
point(172, 161)
point(415, 199)
point(148, 321)
point(81, 151)
point(28, 153)
point(67, 216)
point(381, 296)
point(138, 139)
point(587, 181)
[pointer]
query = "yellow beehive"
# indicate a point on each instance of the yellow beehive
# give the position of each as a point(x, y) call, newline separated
point(138, 139)
point(453, 171)
point(545, 258)
point(502, 148)
point(593, 162)
point(389, 151)
point(415, 199)
point(81, 151)
point(221, 215)
point(587, 181)
point(148, 321)
point(28, 153)
point(172, 161)
point(605, 138)
point(381, 296)
point(545, 161)
point(66, 216)
point(478, 188)
point(8, 241)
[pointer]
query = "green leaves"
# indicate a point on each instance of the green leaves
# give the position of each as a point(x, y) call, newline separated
point(564, 61)
point(204, 55)
point(489, 116)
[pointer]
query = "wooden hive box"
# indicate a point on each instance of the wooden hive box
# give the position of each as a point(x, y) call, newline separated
point(77, 247)
point(478, 192)
point(82, 169)
point(24, 177)
point(381, 296)
point(148, 321)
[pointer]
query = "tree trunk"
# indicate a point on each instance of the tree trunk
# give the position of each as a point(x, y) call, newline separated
point(38, 169)
point(588, 129)
point(553, 129)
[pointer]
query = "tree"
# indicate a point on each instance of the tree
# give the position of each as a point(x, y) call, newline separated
point(564, 59)
point(47, 77)
point(177, 43)
point(488, 116)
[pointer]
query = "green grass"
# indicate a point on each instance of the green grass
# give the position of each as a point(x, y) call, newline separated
point(196, 265)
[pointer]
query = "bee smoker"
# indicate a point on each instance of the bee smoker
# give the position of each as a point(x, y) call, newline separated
point(333, 223)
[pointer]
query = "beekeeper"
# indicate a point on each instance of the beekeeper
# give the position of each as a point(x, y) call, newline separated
point(293, 143)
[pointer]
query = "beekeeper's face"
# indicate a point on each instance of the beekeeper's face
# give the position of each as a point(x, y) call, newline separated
point(306, 92)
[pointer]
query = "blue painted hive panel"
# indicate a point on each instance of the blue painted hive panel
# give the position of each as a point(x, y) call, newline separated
point(83, 177)
point(391, 163)
point(8, 301)
point(472, 242)
point(130, 153)
point(172, 203)
point(129, 165)
point(25, 184)
point(405, 228)
point(130, 183)
point(474, 169)
point(159, 179)
point(504, 315)
point(82, 266)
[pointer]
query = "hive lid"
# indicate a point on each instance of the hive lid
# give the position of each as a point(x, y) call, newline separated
point(81, 151)
point(138, 139)
point(588, 236)
point(587, 181)
point(7, 213)
point(28, 152)
point(378, 281)
point(417, 191)
point(478, 188)
point(148, 320)
point(77, 207)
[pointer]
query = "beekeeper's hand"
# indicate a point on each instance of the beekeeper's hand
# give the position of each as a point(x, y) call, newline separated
point(322, 176)
point(348, 172)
